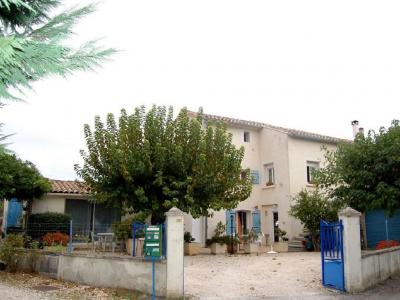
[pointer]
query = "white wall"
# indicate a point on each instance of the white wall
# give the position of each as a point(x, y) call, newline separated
point(274, 149)
point(378, 266)
point(52, 202)
point(301, 151)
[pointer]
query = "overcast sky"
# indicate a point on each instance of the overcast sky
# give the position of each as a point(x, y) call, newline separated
point(310, 65)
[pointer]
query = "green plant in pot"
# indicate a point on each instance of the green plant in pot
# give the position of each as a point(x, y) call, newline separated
point(191, 248)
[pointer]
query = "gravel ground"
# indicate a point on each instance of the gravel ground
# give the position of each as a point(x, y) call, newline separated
point(285, 276)
point(243, 277)
point(23, 286)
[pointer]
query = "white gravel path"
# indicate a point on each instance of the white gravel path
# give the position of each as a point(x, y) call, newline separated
point(244, 277)
point(8, 292)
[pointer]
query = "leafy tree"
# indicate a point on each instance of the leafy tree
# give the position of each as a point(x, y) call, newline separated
point(365, 174)
point(152, 162)
point(310, 208)
point(32, 43)
point(20, 179)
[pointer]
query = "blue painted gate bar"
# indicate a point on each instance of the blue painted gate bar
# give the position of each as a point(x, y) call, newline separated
point(332, 259)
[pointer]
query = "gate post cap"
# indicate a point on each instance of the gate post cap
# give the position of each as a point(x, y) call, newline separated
point(349, 212)
point(174, 212)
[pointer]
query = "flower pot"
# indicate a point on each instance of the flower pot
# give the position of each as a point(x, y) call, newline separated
point(218, 248)
point(251, 248)
point(281, 246)
point(192, 248)
point(139, 243)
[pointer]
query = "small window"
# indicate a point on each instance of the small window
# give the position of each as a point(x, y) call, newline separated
point(270, 174)
point(312, 166)
point(246, 137)
point(243, 175)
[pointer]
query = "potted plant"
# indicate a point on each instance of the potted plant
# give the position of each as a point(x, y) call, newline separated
point(282, 245)
point(219, 240)
point(191, 248)
point(123, 233)
point(250, 245)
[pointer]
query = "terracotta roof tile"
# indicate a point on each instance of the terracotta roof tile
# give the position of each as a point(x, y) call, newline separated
point(68, 187)
point(291, 132)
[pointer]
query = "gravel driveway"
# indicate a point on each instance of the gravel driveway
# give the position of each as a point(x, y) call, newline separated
point(286, 276)
point(243, 277)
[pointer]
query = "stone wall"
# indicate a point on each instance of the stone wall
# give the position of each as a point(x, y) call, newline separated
point(377, 266)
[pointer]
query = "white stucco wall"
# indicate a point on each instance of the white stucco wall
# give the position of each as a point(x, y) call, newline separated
point(378, 266)
point(274, 149)
point(52, 202)
point(300, 151)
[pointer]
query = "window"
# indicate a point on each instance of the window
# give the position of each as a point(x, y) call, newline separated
point(312, 166)
point(246, 137)
point(243, 175)
point(270, 174)
point(255, 177)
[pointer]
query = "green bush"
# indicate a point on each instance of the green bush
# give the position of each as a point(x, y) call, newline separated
point(219, 236)
point(123, 229)
point(8, 253)
point(40, 224)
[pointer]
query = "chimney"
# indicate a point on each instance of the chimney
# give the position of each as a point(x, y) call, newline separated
point(361, 131)
point(355, 127)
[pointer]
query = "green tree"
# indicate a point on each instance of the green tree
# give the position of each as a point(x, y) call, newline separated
point(33, 43)
point(152, 162)
point(21, 179)
point(310, 208)
point(365, 174)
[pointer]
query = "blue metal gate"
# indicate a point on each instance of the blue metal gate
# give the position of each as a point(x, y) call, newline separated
point(331, 238)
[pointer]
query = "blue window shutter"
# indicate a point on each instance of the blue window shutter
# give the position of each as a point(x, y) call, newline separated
point(256, 221)
point(230, 222)
point(255, 177)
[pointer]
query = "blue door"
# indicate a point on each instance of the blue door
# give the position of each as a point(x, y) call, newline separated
point(331, 239)
point(256, 221)
point(14, 213)
point(230, 222)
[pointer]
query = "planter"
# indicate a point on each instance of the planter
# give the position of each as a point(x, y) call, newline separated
point(281, 246)
point(138, 244)
point(192, 248)
point(218, 248)
point(251, 248)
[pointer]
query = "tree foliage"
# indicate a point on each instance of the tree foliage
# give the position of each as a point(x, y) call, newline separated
point(20, 179)
point(365, 174)
point(310, 207)
point(32, 43)
point(152, 162)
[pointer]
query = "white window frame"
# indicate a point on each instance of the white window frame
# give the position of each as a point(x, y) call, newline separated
point(311, 166)
point(269, 170)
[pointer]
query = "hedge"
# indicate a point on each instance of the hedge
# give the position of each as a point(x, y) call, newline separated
point(40, 224)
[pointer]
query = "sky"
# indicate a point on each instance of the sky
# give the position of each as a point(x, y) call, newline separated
point(309, 65)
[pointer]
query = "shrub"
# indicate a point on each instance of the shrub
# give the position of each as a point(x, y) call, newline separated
point(8, 253)
point(55, 238)
point(387, 244)
point(220, 237)
point(123, 229)
point(40, 224)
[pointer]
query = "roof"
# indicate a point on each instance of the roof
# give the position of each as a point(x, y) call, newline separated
point(258, 125)
point(68, 187)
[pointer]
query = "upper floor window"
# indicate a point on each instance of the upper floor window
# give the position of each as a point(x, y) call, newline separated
point(269, 174)
point(246, 137)
point(312, 166)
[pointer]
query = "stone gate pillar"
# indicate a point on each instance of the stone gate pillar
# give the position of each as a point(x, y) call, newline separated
point(351, 249)
point(175, 254)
